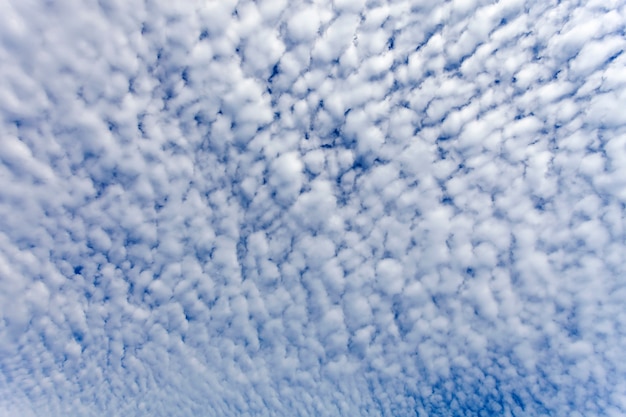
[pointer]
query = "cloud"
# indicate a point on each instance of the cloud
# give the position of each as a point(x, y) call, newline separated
point(327, 208)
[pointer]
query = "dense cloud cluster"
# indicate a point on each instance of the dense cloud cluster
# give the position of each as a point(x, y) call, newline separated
point(312, 208)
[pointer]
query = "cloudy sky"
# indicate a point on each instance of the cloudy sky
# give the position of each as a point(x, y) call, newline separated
point(312, 208)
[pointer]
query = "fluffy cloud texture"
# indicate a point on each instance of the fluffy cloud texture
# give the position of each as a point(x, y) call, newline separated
point(312, 208)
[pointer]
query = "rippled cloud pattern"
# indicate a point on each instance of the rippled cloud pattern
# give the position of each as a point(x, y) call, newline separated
point(312, 208)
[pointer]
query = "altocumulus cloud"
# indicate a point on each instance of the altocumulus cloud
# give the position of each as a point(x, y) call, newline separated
point(312, 208)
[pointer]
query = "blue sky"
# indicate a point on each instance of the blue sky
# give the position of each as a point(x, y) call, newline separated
point(312, 208)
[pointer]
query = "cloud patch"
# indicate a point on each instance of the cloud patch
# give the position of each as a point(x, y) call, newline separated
point(329, 208)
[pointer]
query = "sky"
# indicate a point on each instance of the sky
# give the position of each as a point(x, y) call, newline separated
point(312, 208)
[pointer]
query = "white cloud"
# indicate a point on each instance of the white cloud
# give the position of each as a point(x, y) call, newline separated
point(312, 208)
point(304, 25)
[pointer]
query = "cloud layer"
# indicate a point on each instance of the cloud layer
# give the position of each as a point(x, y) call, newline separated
point(317, 208)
